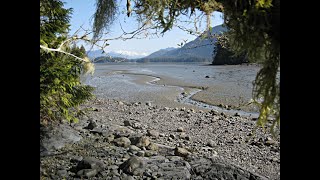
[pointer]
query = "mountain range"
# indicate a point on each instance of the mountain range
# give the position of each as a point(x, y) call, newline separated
point(119, 54)
point(200, 49)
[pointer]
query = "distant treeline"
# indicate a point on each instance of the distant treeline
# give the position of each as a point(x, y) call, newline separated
point(173, 59)
point(104, 59)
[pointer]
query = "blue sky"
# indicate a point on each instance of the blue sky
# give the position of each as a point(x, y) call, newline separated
point(83, 11)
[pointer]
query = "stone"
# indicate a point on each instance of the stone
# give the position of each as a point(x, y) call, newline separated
point(91, 125)
point(120, 103)
point(180, 129)
point(158, 159)
point(214, 112)
point(133, 148)
point(183, 135)
point(132, 165)
point(87, 173)
point(122, 132)
point(172, 136)
point(141, 153)
point(149, 153)
point(136, 125)
point(122, 142)
point(181, 152)
point(207, 76)
point(90, 163)
point(140, 142)
point(175, 158)
point(109, 138)
point(76, 159)
point(211, 143)
point(98, 131)
point(153, 147)
point(270, 142)
point(161, 135)
point(111, 167)
point(127, 123)
point(128, 178)
point(62, 173)
point(153, 133)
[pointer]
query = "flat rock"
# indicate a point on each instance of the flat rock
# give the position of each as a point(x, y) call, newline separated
point(56, 137)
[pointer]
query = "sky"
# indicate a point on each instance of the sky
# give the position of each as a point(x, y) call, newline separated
point(83, 11)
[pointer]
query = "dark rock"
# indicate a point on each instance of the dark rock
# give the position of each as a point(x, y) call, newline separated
point(97, 131)
point(140, 142)
point(90, 163)
point(91, 125)
point(122, 142)
point(127, 123)
point(172, 136)
point(133, 166)
point(207, 77)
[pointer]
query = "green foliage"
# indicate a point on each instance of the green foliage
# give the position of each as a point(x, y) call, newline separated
point(60, 88)
point(255, 29)
point(104, 16)
point(224, 55)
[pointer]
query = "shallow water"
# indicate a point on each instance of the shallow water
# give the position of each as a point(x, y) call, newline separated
point(137, 82)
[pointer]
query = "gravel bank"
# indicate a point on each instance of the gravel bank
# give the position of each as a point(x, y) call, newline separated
point(132, 140)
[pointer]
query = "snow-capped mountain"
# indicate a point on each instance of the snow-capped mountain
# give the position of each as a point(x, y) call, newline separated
point(120, 53)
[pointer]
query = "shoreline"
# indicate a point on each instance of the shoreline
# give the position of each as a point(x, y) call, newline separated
point(208, 136)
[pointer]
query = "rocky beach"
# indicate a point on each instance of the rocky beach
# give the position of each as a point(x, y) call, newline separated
point(146, 132)
point(119, 140)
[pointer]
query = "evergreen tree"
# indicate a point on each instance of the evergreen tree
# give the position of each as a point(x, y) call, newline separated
point(224, 55)
point(60, 88)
